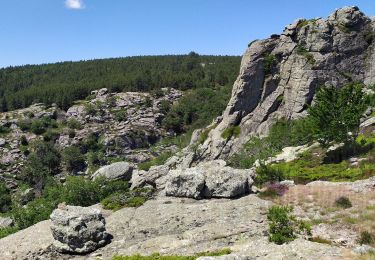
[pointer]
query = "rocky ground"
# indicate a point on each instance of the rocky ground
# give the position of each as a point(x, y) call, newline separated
point(178, 226)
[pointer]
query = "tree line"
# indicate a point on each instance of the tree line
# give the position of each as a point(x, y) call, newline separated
point(63, 83)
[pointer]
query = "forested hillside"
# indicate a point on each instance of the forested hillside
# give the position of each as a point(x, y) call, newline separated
point(62, 83)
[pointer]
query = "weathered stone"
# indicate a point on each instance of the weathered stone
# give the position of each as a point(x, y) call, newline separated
point(78, 230)
point(115, 171)
point(186, 183)
point(309, 53)
point(6, 222)
point(209, 180)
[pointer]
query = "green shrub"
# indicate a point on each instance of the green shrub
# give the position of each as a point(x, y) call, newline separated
point(337, 112)
point(370, 37)
point(121, 116)
point(267, 174)
point(71, 133)
point(73, 159)
point(281, 226)
point(24, 141)
point(165, 106)
point(74, 124)
point(268, 63)
point(4, 130)
point(5, 198)
point(91, 110)
point(157, 93)
point(161, 159)
point(7, 231)
point(24, 125)
point(231, 131)
point(366, 238)
point(343, 202)
point(134, 198)
point(304, 52)
point(51, 135)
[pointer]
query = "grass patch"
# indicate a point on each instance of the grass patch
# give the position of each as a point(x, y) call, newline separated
point(231, 131)
point(157, 256)
point(304, 52)
point(161, 159)
point(343, 202)
point(133, 199)
point(7, 231)
point(320, 240)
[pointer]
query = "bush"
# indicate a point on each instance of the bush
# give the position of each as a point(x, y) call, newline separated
point(5, 198)
point(7, 231)
point(274, 190)
point(91, 110)
point(134, 198)
point(268, 63)
point(51, 135)
point(304, 52)
point(231, 131)
point(343, 202)
point(283, 227)
point(24, 141)
point(337, 113)
point(267, 174)
point(73, 159)
point(164, 106)
point(366, 238)
point(71, 133)
point(74, 124)
point(121, 116)
point(161, 159)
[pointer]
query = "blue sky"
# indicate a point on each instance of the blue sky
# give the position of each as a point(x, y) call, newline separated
point(43, 31)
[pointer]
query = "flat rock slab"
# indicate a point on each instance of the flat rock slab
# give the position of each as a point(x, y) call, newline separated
point(180, 226)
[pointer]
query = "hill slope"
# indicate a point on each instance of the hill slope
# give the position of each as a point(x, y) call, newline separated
point(63, 83)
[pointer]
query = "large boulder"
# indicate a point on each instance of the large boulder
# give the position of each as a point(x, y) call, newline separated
point(186, 183)
point(115, 171)
point(211, 179)
point(78, 230)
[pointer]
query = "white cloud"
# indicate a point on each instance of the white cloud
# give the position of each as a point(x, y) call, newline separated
point(74, 4)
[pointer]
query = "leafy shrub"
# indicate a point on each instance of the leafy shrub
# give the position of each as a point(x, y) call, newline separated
point(157, 93)
point(73, 159)
point(91, 110)
point(43, 161)
point(24, 125)
point(24, 140)
point(304, 52)
point(281, 227)
point(267, 174)
point(282, 134)
point(74, 124)
point(51, 135)
point(343, 202)
point(161, 159)
point(4, 129)
point(121, 116)
point(7, 231)
point(134, 198)
point(164, 106)
point(71, 133)
point(5, 198)
point(366, 238)
point(268, 63)
point(337, 112)
point(231, 131)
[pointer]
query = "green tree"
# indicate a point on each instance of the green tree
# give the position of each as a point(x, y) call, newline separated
point(337, 112)
point(73, 159)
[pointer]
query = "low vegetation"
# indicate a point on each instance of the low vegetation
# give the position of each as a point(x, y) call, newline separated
point(157, 256)
point(231, 131)
point(283, 226)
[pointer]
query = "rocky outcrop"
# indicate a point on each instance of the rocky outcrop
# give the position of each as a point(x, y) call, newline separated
point(6, 222)
point(179, 226)
point(115, 171)
point(209, 180)
point(78, 230)
point(279, 76)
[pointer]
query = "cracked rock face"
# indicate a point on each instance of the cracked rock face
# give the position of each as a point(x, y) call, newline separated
point(78, 230)
point(209, 180)
point(279, 76)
